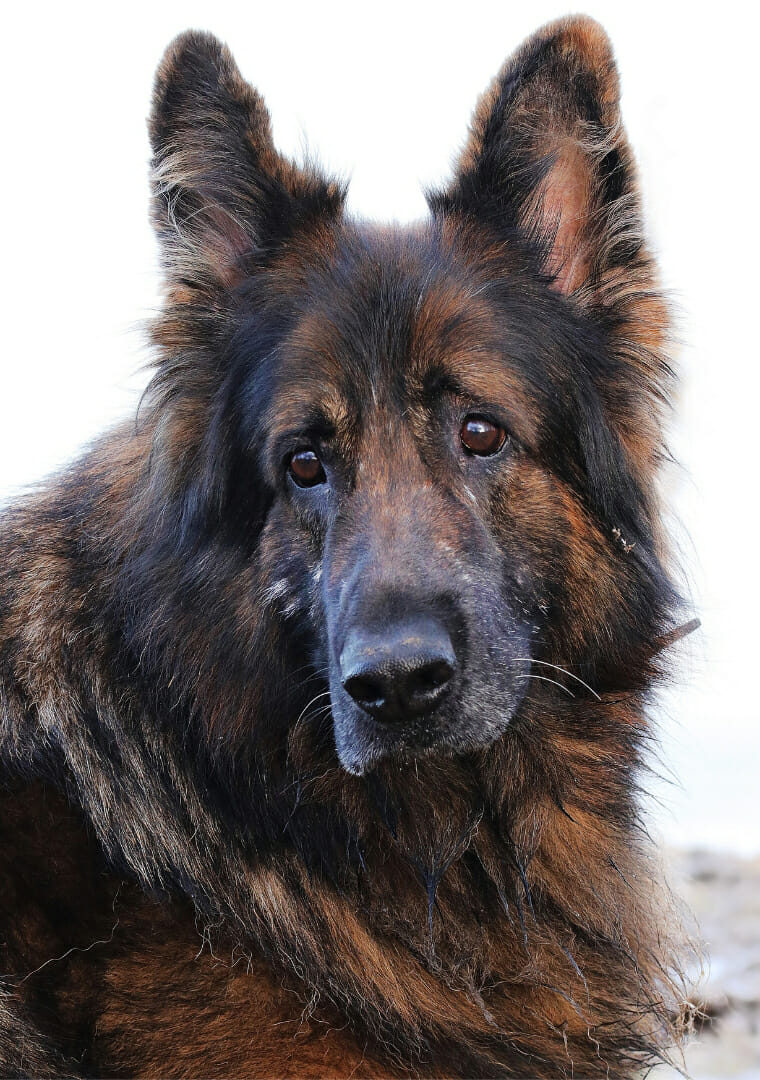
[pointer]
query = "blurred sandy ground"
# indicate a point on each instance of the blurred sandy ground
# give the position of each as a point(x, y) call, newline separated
point(723, 892)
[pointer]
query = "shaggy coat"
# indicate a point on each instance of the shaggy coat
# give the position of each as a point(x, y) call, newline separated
point(221, 857)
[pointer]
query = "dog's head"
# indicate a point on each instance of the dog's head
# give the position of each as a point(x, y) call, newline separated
point(435, 445)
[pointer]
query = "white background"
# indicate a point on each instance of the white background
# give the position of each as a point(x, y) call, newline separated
point(383, 92)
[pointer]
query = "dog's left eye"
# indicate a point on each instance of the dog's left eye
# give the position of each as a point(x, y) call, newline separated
point(481, 436)
point(306, 469)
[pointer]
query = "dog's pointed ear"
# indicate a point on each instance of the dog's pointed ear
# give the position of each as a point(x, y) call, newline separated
point(547, 157)
point(222, 194)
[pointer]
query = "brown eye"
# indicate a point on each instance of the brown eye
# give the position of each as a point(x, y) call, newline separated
point(481, 436)
point(306, 468)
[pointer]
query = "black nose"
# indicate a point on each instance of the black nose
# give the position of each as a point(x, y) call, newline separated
point(399, 674)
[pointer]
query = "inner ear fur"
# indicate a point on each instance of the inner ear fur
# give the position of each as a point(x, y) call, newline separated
point(222, 194)
point(547, 155)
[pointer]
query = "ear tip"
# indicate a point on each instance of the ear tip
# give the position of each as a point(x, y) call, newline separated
point(192, 61)
point(585, 28)
point(580, 38)
point(190, 48)
point(582, 32)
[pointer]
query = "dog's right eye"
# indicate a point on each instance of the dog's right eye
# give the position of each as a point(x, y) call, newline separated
point(481, 436)
point(306, 469)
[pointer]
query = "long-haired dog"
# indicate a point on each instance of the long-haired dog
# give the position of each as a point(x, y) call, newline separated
point(324, 682)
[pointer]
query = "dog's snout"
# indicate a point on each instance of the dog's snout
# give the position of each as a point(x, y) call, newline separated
point(399, 674)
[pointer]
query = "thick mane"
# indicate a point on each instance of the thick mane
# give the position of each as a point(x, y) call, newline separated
point(461, 909)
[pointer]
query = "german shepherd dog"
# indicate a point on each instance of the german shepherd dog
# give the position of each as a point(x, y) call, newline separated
point(323, 681)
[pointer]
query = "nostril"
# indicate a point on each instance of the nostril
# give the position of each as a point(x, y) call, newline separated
point(430, 677)
point(365, 690)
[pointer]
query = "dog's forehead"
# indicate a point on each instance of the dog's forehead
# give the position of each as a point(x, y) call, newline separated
point(393, 314)
point(388, 308)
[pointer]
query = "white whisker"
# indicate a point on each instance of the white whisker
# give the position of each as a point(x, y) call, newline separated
point(314, 700)
point(558, 668)
point(543, 678)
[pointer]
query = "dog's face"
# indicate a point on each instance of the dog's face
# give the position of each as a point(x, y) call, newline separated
point(394, 439)
point(438, 439)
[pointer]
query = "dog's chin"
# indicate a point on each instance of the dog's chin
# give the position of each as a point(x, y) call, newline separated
point(361, 743)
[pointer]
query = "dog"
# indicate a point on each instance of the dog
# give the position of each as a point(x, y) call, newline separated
point(324, 679)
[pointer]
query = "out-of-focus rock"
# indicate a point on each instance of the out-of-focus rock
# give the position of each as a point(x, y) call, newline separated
point(723, 892)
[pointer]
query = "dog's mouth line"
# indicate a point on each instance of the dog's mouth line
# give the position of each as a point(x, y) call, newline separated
point(412, 745)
